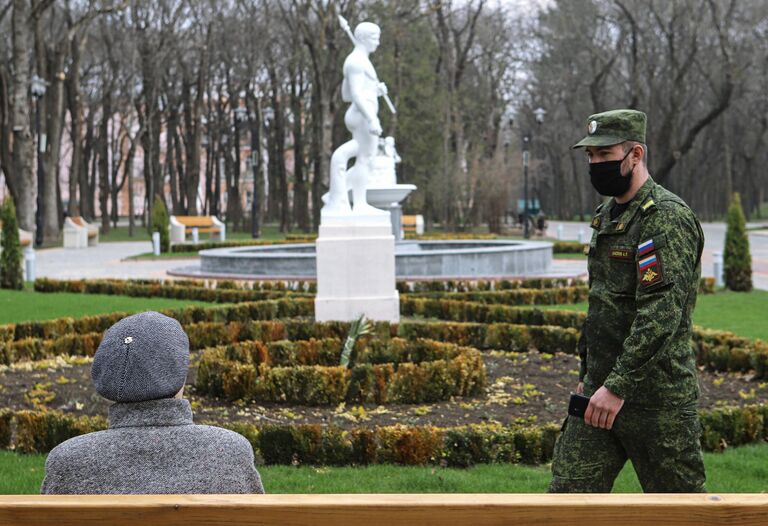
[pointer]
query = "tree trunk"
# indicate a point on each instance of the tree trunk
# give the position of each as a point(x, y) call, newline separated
point(21, 180)
point(103, 163)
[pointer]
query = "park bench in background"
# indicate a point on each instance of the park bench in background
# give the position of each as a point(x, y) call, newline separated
point(183, 225)
point(78, 233)
point(388, 509)
point(413, 224)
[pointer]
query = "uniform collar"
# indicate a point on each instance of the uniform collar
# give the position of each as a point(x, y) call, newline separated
point(621, 223)
point(162, 412)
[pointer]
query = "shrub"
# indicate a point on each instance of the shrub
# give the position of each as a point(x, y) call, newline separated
point(737, 259)
point(301, 372)
point(41, 431)
point(6, 417)
point(463, 446)
point(11, 274)
point(161, 222)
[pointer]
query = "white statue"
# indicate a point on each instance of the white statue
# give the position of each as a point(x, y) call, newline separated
point(362, 88)
point(384, 173)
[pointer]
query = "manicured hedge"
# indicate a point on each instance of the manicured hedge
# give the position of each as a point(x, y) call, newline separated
point(447, 236)
point(568, 247)
point(258, 310)
point(552, 296)
point(725, 351)
point(39, 349)
point(464, 446)
point(716, 350)
point(467, 311)
point(452, 285)
point(163, 290)
point(6, 431)
point(41, 431)
point(189, 247)
point(307, 372)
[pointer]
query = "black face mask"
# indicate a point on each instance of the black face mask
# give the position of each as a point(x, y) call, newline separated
point(607, 179)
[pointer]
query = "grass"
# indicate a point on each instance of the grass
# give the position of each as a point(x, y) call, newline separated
point(739, 470)
point(566, 255)
point(23, 305)
point(739, 312)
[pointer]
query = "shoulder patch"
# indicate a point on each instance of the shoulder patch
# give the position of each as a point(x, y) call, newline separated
point(649, 270)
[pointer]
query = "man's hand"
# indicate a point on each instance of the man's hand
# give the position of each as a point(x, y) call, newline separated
point(603, 408)
point(580, 388)
point(382, 89)
point(374, 127)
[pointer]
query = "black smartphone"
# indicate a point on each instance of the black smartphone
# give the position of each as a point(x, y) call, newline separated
point(578, 405)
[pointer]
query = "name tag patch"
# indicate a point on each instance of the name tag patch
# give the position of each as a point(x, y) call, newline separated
point(624, 254)
point(649, 270)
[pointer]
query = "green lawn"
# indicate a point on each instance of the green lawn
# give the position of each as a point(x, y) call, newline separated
point(740, 470)
point(566, 255)
point(16, 306)
point(739, 312)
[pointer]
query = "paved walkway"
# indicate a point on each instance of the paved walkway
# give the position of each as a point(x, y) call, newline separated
point(108, 259)
point(714, 241)
point(102, 261)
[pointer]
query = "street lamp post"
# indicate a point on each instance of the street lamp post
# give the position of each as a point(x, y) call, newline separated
point(539, 114)
point(38, 90)
point(526, 230)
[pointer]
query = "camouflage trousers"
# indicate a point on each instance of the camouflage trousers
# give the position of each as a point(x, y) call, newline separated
point(663, 445)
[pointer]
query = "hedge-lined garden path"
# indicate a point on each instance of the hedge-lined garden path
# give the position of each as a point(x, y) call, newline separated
point(527, 387)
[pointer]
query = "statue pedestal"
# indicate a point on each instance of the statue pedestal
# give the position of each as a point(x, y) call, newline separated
point(356, 270)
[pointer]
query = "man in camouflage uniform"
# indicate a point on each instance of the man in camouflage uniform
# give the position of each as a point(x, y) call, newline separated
point(637, 364)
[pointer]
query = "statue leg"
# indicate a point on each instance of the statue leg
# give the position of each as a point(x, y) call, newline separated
point(360, 174)
point(337, 198)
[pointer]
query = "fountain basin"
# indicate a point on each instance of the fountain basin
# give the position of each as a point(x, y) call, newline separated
point(459, 259)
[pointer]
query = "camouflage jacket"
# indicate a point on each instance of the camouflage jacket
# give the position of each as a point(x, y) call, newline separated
point(644, 270)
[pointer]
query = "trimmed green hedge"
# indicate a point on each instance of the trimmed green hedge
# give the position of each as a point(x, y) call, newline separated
point(163, 290)
point(716, 350)
point(725, 351)
point(192, 248)
point(552, 296)
point(468, 311)
point(41, 431)
point(307, 372)
point(257, 310)
point(452, 285)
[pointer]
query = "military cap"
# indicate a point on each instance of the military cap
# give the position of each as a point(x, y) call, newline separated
point(614, 127)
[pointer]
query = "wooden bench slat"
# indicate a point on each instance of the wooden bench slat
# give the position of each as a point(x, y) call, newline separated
point(195, 221)
point(388, 509)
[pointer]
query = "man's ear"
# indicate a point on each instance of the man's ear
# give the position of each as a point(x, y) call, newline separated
point(638, 153)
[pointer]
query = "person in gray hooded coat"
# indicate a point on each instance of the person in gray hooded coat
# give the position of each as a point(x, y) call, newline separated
point(152, 444)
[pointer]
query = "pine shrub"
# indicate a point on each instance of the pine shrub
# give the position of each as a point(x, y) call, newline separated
point(161, 222)
point(11, 276)
point(738, 261)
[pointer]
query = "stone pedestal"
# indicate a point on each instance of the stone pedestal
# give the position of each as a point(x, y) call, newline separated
point(356, 270)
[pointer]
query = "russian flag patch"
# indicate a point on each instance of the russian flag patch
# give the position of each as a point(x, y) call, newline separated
point(649, 270)
point(645, 247)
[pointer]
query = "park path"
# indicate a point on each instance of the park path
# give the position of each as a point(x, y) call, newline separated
point(108, 259)
point(103, 261)
point(714, 241)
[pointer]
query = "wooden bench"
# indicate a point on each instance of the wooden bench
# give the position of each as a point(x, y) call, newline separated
point(413, 224)
point(183, 225)
point(79, 233)
point(388, 509)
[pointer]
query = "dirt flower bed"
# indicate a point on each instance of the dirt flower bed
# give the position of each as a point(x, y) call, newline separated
point(528, 387)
